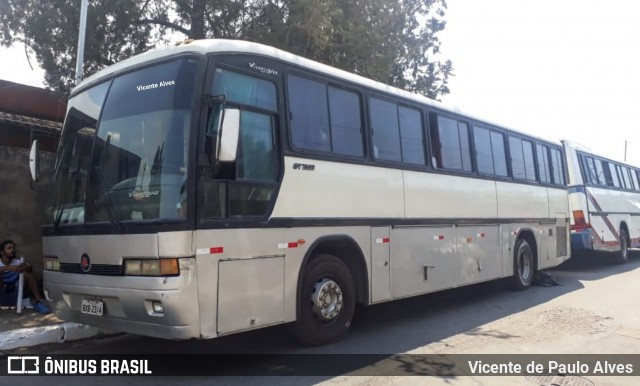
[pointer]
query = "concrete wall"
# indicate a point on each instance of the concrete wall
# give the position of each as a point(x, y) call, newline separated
point(22, 208)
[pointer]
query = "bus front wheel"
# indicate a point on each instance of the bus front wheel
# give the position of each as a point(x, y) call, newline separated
point(523, 265)
point(326, 301)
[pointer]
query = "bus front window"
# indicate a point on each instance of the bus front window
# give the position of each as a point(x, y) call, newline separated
point(74, 156)
point(140, 158)
point(124, 150)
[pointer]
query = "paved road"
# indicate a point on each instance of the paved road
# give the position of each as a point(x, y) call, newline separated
point(593, 311)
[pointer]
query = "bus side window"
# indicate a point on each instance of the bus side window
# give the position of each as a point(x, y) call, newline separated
point(543, 164)
point(627, 179)
point(491, 156)
point(557, 167)
point(436, 154)
point(613, 175)
point(385, 129)
point(450, 143)
point(634, 178)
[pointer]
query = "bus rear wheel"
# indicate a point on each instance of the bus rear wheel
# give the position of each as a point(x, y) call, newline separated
point(523, 265)
point(622, 256)
point(326, 301)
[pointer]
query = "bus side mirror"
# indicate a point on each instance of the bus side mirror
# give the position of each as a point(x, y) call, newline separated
point(34, 160)
point(228, 135)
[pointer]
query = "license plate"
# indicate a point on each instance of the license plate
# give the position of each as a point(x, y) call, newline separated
point(92, 307)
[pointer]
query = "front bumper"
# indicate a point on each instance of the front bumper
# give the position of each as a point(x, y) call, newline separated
point(128, 301)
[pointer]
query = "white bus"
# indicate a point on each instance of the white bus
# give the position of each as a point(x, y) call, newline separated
point(604, 197)
point(221, 186)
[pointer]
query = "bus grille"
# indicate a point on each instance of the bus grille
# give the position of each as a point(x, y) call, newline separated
point(96, 269)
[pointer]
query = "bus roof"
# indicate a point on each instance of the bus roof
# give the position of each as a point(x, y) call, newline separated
point(206, 46)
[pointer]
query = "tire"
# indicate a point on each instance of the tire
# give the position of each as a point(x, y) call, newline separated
point(523, 266)
point(622, 256)
point(322, 322)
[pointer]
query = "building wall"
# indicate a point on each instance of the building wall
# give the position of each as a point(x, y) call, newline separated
point(21, 207)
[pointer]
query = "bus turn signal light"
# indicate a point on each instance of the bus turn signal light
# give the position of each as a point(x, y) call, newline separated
point(579, 222)
point(51, 263)
point(151, 267)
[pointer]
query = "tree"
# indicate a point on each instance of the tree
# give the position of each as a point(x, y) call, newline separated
point(393, 42)
point(390, 41)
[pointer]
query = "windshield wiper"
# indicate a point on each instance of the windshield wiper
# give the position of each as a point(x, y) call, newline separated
point(113, 217)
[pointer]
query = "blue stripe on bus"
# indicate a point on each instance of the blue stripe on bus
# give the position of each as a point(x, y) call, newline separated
point(577, 189)
point(581, 241)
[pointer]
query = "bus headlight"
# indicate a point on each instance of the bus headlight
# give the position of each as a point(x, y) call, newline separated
point(151, 267)
point(51, 263)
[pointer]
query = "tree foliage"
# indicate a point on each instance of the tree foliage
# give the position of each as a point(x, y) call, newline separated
point(392, 41)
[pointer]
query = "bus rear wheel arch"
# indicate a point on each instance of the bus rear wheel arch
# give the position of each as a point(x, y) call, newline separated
point(326, 301)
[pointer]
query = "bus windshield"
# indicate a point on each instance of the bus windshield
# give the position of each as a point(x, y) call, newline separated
point(124, 149)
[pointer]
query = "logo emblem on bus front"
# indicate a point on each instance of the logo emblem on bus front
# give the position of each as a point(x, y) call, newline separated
point(85, 263)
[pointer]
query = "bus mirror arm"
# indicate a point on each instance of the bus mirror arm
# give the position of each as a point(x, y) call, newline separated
point(228, 135)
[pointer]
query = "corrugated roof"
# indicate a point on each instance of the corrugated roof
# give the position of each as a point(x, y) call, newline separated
point(21, 120)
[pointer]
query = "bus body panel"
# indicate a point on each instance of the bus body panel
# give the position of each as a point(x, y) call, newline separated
point(479, 252)
point(445, 196)
point(511, 205)
point(175, 244)
point(423, 260)
point(105, 249)
point(608, 210)
point(381, 283)
point(215, 246)
point(354, 190)
point(558, 204)
point(251, 293)
point(559, 241)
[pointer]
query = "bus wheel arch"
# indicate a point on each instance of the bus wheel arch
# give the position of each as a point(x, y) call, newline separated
point(331, 281)
point(525, 260)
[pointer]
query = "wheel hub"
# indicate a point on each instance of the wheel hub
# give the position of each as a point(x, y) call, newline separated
point(327, 299)
point(525, 266)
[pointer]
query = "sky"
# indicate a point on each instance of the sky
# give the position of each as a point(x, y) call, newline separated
point(559, 69)
point(14, 67)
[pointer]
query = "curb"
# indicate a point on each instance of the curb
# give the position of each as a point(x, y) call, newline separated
point(59, 333)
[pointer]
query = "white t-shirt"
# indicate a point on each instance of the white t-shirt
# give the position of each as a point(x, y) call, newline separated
point(10, 276)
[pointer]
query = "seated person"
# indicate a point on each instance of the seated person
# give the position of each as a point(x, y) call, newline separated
point(10, 269)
